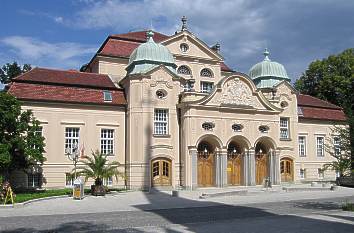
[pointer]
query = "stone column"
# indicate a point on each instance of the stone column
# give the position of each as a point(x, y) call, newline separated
point(245, 168)
point(223, 169)
point(276, 167)
point(194, 168)
point(271, 166)
point(252, 167)
point(217, 169)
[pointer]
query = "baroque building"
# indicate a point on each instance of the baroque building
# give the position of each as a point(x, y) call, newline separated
point(174, 114)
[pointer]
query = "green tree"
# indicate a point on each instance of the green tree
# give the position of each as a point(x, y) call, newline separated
point(20, 144)
point(98, 168)
point(332, 79)
point(12, 70)
point(339, 148)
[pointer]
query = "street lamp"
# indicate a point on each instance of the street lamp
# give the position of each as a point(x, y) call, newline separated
point(73, 155)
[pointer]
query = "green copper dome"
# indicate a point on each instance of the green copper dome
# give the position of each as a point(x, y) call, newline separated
point(268, 73)
point(150, 55)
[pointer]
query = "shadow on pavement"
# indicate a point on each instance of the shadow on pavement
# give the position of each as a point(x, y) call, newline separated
point(186, 216)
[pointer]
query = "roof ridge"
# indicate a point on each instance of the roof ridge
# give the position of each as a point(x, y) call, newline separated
point(69, 71)
point(67, 85)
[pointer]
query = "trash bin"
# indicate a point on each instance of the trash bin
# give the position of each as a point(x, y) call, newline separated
point(78, 189)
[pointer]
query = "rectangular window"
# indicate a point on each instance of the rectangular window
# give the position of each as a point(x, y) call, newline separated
point(302, 146)
point(69, 180)
point(320, 146)
point(336, 146)
point(284, 128)
point(320, 173)
point(71, 139)
point(302, 173)
point(107, 141)
point(108, 181)
point(34, 180)
point(161, 122)
point(38, 132)
point(206, 87)
point(107, 96)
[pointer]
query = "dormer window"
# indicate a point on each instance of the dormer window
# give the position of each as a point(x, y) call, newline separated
point(107, 96)
point(184, 70)
point(206, 73)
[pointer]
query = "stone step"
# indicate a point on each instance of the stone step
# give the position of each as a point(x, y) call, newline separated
point(223, 194)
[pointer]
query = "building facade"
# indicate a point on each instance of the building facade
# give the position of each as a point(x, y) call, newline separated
point(174, 115)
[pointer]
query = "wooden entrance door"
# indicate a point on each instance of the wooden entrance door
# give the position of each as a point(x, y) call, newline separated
point(205, 169)
point(286, 170)
point(261, 168)
point(234, 169)
point(161, 172)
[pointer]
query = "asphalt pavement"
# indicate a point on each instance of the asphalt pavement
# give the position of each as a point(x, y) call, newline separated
point(301, 214)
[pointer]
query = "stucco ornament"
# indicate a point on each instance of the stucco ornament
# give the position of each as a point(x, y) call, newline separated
point(236, 92)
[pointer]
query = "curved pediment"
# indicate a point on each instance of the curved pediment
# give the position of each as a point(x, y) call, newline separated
point(237, 91)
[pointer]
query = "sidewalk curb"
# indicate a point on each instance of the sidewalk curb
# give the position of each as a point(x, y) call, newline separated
point(22, 204)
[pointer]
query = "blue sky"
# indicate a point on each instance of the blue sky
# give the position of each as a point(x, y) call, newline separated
point(66, 33)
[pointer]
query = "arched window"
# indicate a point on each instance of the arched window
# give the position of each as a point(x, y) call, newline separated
point(206, 73)
point(184, 70)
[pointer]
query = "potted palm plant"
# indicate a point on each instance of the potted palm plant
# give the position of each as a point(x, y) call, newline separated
point(98, 168)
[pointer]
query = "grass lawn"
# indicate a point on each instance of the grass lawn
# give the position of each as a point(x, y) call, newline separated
point(30, 195)
point(35, 194)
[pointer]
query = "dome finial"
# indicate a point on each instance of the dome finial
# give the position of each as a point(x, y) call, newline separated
point(184, 23)
point(266, 54)
point(149, 35)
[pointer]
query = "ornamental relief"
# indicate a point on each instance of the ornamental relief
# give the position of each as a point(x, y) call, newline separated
point(235, 92)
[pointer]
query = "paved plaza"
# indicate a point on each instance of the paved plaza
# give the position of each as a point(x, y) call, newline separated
point(259, 210)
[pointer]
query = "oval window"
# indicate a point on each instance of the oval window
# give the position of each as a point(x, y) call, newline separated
point(161, 94)
point(208, 125)
point(284, 104)
point(263, 128)
point(237, 127)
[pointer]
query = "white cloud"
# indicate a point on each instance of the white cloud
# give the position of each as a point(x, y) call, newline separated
point(244, 27)
point(37, 52)
point(57, 19)
point(235, 23)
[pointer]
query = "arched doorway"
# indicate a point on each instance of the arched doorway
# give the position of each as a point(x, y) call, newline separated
point(161, 172)
point(206, 167)
point(263, 148)
point(286, 170)
point(234, 164)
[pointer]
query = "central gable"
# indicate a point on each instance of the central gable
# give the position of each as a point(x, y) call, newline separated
point(196, 47)
point(238, 92)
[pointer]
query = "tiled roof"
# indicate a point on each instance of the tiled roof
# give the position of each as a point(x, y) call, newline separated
point(322, 114)
point(314, 108)
point(118, 48)
point(122, 45)
point(65, 77)
point(70, 94)
point(224, 67)
point(140, 36)
point(307, 100)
